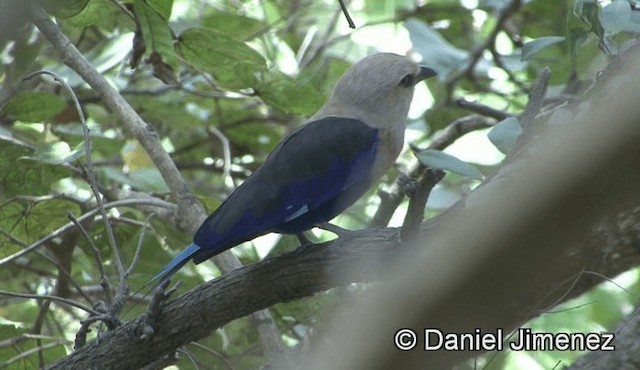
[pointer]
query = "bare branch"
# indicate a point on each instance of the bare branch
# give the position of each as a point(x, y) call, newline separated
point(302, 273)
point(70, 225)
point(190, 211)
point(482, 109)
point(415, 213)
point(345, 11)
point(391, 200)
point(132, 122)
point(104, 279)
point(50, 298)
point(136, 256)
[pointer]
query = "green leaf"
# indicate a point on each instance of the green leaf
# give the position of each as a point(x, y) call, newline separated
point(56, 152)
point(31, 220)
point(144, 179)
point(280, 91)
point(21, 175)
point(577, 37)
point(532, 48)
point(158, 38)
point(232, 25)
point(65, 8)
point(163, 7)
point(615, 16)
point(92, 14)
point(218, 54)
point(36, 106)
point(589, 13)
point(505, 133)
point(443, 161)
point(435, 49)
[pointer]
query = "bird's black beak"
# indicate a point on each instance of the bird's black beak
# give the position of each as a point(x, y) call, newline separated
point(425, 72)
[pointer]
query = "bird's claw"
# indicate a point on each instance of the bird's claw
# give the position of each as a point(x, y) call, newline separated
point(339, 231)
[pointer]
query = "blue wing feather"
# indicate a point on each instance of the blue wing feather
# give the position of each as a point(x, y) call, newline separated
point(313, 175)
point(175, 264)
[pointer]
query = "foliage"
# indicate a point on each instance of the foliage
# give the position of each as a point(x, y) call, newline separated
point(249, 72)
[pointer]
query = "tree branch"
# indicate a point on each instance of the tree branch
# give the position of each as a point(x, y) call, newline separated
point(301, 273)
point(528, 230)
point(627, 353)
point(391, 200)
point(190, 211)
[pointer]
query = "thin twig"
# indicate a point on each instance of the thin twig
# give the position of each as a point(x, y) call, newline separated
point(190, 212)
point(190, 356)
point(482, 109)
point(497, 58)
point(11, 342)
point(132, 122)
point(93, 183)
point(315, 52)
point(488, 43)
point(49, 259)
point(226, 150)
point(31, 351)
point(391, 200)
point(124, 9)
point(37, 328)
point(345, 11)
point(50, 298)
point(104, 279)
point(70, 225)
point(536, 98)
point(136, 256)
point(214, 353)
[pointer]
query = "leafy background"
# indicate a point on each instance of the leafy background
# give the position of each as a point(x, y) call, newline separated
point(226, 80)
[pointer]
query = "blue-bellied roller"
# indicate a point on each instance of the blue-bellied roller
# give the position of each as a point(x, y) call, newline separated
point(322, 167)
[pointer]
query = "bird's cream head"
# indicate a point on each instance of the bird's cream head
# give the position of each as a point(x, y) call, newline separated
point(377, 90)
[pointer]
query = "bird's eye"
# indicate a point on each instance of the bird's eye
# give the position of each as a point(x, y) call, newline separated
point(407, 81)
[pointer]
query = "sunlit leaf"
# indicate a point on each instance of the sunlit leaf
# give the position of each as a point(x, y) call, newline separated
point(145, 179)
point(36, 106)
point(217, 53)
point(504, 134)
point(443, 161)
point(437, 52)
point(21, 175)
point(532, 48)
point(236, 26)
point(163, 7)
point(158, 39)
point(65, 8)
point(615, 16)
point(281, 91)
point(56, 152)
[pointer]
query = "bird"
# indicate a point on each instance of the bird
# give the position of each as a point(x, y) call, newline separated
point(322, 167)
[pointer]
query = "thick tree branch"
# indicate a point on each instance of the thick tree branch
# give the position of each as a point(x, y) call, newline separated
point(197, 313)
point(627, 353)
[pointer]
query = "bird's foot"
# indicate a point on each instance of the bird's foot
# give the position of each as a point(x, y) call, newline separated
point(160, 295)
point(305, 242)
point(339, 231)
point(304, 239)
point(408, 185)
